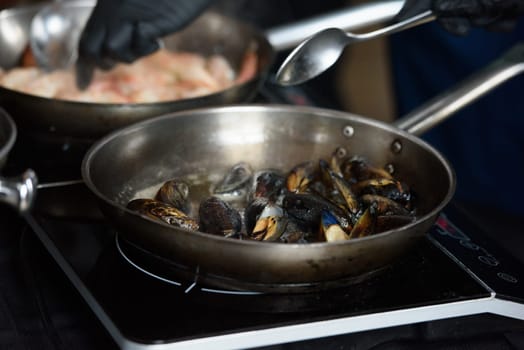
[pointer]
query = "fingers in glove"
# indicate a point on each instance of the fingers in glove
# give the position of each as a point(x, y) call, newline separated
point(144, 46)
point(454, 8)
point(499, 9)
point(84, 71)
point(455, 25)
point(91, 42)
point(118, 44)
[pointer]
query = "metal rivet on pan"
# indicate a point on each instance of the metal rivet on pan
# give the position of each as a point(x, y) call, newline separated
point(348, 131)
point(390, 168)
point(341, 152)
point(396, 146)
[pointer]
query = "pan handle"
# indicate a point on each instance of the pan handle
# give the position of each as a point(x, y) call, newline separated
point(19, 192)
point(349, 18)
point(446, 104)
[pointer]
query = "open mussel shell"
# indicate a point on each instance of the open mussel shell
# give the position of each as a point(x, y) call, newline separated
point(164, 212)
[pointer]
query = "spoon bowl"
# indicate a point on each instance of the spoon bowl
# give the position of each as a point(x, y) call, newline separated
point(55, 31)
point(316, 54)
point(312, 57)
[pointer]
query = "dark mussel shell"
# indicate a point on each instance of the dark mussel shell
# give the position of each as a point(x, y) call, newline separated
point(366, 223)
point(384, 205)
point(392, 189)
point(344, 189)
point(307, 209)
point(219, 217)
point(294, 234)
point(269, 184)
point(174, 192)
point(357, 169)
point(253, 211)
point(301, 176)
point(161, 211)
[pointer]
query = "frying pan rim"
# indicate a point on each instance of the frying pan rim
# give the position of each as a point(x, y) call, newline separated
point(324, 112)
point(13, 11)
point(12, 134)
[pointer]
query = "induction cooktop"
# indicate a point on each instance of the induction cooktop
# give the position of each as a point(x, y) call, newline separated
point(454, 271)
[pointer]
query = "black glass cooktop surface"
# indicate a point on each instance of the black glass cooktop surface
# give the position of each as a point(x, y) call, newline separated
point(137, 304)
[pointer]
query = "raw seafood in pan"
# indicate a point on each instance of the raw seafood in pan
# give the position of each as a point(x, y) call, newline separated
point(161, 76)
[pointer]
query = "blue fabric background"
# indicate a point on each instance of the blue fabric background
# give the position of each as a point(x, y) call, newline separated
point(484, 141)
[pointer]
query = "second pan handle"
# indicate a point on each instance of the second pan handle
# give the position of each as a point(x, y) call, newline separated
point(350, 18)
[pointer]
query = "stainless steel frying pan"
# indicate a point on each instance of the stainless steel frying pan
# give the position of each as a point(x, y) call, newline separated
point(211, 33)
point(139, 158)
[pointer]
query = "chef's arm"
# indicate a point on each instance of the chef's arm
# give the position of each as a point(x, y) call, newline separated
point(125, 30)
point(458, 16)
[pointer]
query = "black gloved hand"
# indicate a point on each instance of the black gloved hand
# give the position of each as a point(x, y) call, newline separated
point(124, 30)
point(458, 16)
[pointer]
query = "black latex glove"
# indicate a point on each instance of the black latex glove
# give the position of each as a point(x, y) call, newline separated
point(458, 16)
point(125, 30)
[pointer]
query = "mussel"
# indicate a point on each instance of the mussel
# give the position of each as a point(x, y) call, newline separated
point(175, 193)
point(270, 224)
point(164, 212)
point(389, 188)
point(365, 225)
point(219, 217)
point(331, 229)
point(235, 184)
point(384, 205)
point(357, 169)
point(301, 176)
point(344, 188)
point(269, 184)
point(253, 211)
point(307, 209)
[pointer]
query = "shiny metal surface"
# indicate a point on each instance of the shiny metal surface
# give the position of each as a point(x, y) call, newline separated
point(315, 55)
point(55, 31)
point(210, 34)
point(350, 18)
point(8, 134)
point(208, 141)
point(18, 192)
point(14, 33)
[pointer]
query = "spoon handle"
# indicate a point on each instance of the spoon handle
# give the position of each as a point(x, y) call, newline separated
point(421, 18)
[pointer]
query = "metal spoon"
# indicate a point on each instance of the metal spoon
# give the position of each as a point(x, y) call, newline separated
point(55, 31)
point(322, 50)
